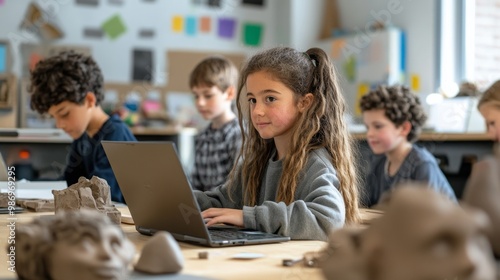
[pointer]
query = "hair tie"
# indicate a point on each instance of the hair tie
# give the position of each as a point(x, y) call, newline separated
point(311, 59)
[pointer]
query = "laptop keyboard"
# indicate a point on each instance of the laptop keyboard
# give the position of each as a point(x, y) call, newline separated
point(227, 234)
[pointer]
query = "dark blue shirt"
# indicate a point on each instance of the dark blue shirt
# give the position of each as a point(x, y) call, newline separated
point(87, 158)
point(418, 166)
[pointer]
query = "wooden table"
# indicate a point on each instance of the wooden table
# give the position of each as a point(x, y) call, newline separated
point(218, 266)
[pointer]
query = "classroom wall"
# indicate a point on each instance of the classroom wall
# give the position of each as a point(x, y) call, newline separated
point(295, 23)
point(419, 20)
point(115, 55)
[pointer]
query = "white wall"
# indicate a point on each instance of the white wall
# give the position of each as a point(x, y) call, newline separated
point(115, 56)
point(419, 20)
point(306, 23)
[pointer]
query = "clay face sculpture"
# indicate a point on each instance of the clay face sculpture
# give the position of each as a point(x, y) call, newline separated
point(483, 191)
point(75, 245)
point(422, 235)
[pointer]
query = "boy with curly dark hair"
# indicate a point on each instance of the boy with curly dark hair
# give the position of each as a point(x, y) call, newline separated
point(394, 117)
point(69, 87)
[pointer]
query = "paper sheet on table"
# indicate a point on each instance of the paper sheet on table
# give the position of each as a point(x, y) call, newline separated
point(37, 190)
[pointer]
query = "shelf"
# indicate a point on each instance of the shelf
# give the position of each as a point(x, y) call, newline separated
point(441, 137)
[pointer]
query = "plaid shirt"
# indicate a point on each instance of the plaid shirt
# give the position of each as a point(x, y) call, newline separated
point(215, 153)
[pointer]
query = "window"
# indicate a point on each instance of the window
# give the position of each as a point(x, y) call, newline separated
point(482, 41)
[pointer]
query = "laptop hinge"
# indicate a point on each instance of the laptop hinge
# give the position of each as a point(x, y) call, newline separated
point(145, 231)
point(194, 239)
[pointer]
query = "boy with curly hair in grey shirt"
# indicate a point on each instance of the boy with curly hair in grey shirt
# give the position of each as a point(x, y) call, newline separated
point(394, 117)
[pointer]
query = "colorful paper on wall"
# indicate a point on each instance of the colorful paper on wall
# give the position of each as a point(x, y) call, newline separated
point(177, 23)
point(337, 47)
point(31, 53)
point(363, 89)
point(2, 2)
point(205, 24)
point(34, 59)
point(252, 34)
point(349, 68)
point(114, 27)
point(3, 58)
point(415, 82)
point(191, 26)
point(226, 27)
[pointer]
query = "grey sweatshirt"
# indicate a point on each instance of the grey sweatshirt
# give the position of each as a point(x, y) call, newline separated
point(318, 207)
point(419, 165)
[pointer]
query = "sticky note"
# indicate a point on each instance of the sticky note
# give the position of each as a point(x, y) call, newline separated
point(191, 26)
point(252, 34)
point(3, 58)
point(226, 27)
point(337, 47)
point(415, 82)
point(363, 89)
point(114, 27)
point(205, 24)
point(177, 23)
point(1, 3)
point(349, 67)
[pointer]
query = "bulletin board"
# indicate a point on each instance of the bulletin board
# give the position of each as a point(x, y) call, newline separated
point(178, 98)
point(362, 68)
point(181, 63)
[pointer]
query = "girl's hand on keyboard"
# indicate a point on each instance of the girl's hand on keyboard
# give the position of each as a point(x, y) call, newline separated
point(223, 215)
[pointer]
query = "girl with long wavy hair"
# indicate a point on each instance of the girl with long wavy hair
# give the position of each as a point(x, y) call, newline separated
point(295, 174)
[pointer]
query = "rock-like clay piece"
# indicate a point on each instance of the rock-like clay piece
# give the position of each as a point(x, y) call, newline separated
point(161, 255)
point(92, 194)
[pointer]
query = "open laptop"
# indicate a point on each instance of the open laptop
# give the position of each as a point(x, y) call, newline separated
point(159, 196)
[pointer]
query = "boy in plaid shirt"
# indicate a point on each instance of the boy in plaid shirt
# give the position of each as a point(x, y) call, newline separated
point(213, 83)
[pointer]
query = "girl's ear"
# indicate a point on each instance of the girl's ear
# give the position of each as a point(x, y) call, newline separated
point(305, 102)
point(90, 99)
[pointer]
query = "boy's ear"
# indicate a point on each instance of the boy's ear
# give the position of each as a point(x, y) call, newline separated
point(406, 128)
point(90, 99)
point(231, 92)
point(305, 102)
